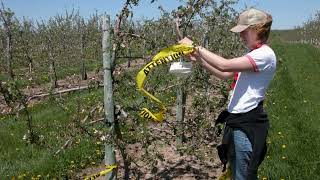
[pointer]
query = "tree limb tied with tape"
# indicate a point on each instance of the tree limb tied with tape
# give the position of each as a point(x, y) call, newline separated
point(165, 56)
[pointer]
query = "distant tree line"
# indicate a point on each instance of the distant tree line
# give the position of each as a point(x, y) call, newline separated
point(44, 49)
point(309, 32)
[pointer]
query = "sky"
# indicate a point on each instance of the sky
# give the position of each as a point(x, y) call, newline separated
point(286, 13)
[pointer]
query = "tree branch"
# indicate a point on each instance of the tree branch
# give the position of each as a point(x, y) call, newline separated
point(59, 92)
point(63, 147)
point(119, 19)
point(132, 35)
point(177, 27)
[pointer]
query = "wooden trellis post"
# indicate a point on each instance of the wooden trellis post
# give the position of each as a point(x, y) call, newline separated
point(110, 158)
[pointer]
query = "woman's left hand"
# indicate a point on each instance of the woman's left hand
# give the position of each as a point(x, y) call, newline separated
point(186, 40)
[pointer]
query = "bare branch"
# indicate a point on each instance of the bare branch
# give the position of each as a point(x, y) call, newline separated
point(63, 147)
point(95, 121)
point(177, 27)
point(132, 35)
point(120, 17)
point(60, 92)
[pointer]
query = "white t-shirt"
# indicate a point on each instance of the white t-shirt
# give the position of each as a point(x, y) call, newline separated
point(251, 86)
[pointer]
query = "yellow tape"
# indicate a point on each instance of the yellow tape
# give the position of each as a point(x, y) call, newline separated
point(163, 57)
point(102, 173)
point(227, 175)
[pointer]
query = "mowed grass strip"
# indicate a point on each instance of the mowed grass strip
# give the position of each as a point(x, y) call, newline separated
point(293, 104)
point(54, 124)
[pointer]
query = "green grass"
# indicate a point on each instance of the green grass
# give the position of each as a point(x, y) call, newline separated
point(54, 123)
point(294, 111)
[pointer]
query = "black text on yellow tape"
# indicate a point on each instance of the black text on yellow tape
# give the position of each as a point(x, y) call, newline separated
point(102, 173)
point(163, 60)
point(163, 57)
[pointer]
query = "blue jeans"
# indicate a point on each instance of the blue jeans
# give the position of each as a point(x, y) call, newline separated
point(243, 150)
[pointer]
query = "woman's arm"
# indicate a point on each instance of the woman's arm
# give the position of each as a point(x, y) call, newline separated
point(223, 65)
point(212, 70)
point(233, 65)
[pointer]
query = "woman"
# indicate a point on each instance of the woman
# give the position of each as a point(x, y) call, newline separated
point(246, 122)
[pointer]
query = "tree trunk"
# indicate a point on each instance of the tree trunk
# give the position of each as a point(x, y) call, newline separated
point(30, 64)
point(129, 55)
point(52, 72)
point(83, 69)
point(205, 43)
point(181, 94)
point(9, 53)
point(181, 101)
point(110, 158)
